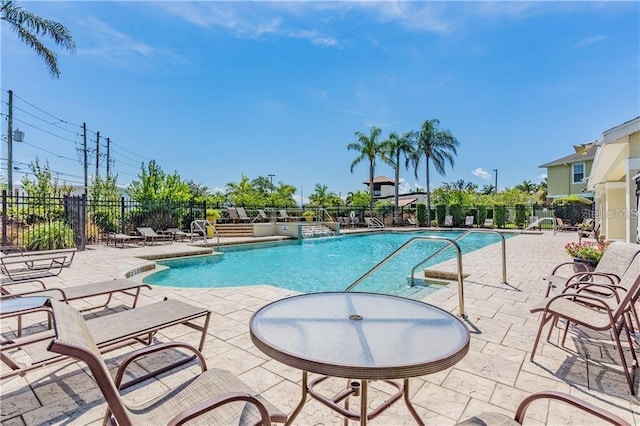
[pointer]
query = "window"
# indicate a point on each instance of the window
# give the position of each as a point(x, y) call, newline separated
point(376, 190)
point(577, 173)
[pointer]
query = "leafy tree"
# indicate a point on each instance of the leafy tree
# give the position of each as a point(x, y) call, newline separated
point(29, 27)
point(155, 185)
point(488, 189)
point(513, 196)
point(527, 186)
point(322, 196)
point(438, 146)
point(282, 196)
point(263, 186)
point(391, 150)
point(368, 148)
point(358, 199)
point(45, 185)
point(104, 189)
point(242, 193)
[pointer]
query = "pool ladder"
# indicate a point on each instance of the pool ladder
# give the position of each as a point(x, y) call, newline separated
point(450, 242)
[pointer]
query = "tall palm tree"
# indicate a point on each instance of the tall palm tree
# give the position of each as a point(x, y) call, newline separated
point(438, 146)
point(29, 27)
point(527, 186)
point(368, 148)
point(391, 150)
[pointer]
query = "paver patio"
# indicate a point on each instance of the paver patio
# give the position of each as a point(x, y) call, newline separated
point(494, 376)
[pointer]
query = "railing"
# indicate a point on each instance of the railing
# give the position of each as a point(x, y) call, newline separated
point(323, 210)
point(405, 245)
point(201, 226)
point(480, 231)
point(537, 223)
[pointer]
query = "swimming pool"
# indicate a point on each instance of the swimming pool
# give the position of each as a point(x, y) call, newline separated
point(323, 264)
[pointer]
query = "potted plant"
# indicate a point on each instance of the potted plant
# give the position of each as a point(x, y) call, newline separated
point(586, 252)
point(308, 215)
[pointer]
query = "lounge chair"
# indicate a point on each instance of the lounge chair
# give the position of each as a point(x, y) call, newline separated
point(109, 331)
point(282, 214)
point(468, 221)
point(491, 418)
point(488, 223)
point(233, 214)
point(587, 309)
point(33, 267)
point(589, 233)
point(242, 214)
point(178, 234)
point(150, 236)
point(16, 251)
point(199, 229)
point(564, 226)
point(121, 239)
point(85, 291)
point(411, 222)
point(212, 397)
point(261, 217)
point(373, 222)
point(448, 221)
point(614, 263)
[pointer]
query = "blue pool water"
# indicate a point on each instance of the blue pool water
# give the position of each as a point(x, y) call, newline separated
point(312, 265)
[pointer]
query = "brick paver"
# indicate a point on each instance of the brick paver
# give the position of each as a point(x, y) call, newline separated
point(495, 375)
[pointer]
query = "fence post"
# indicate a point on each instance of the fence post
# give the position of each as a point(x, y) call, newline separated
point(4, 217)
point(122, 221)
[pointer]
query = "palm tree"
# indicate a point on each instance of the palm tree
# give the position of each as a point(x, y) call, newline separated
point(322, 196)
point(437, 146)
point(527, 186)
point(488, 189)
point(29, 27)
point(390, 151)
point(368, 148)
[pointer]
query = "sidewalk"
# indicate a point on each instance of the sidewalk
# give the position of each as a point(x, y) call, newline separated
point(494, 376)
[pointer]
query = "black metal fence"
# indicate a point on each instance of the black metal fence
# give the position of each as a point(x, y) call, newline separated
point(48, 222)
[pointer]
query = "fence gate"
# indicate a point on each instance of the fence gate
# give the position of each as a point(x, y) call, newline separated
point(75, 214)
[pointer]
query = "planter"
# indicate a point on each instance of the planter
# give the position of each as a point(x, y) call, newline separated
point(584, 265)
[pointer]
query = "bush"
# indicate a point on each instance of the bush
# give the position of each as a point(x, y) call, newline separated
point(103, 220)
point(441, 211)
point(455, 210)
point(49, 236)
point(482, 214)
point(422, 214)
point(500, 216)
point(521, 215)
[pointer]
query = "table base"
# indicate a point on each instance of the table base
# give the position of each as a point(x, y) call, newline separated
point(355, 389)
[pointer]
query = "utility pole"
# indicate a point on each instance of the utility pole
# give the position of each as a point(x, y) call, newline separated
point(108, 165)
point(496, 170)
point(97, 154)
point(10, 144)
point(84, 151)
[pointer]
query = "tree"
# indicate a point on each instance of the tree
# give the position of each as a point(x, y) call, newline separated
point(488, 189)
point(242, 193)
point(321, 196)
point(30, 27)
point(44, 185)
point(368, 148)
point(391, 150)
point(155, 185)
point(438, 146)
point(527, 186)
point(357, 199)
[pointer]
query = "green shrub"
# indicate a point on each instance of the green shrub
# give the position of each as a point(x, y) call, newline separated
point(422, 214)
point(49, 236)
point(455, 210)
point(482, 214)
point(441, 211)
point(105, 222)
point(500, 216)
point(521, 215)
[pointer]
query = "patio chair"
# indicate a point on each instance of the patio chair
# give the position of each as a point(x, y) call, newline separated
point(282, 214)
point(150, 236)
point(17, 251)
point(488, 223)
point(411, 222)
point(490, 418)
point(597, 313)
point(565, 226)
point(373, 222)
point(33, 267)
point(214, 396)
point(109, 332)
point(233, 214)
point(468, 221)
point(121, 239)
point(589, 233)
point(178, 234)
point(85, 291)
point(242, 214)
point(448, 220)
point(614, 263)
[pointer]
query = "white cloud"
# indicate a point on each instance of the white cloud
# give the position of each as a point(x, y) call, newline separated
point(404, 187)
point(543, 176)
point(483, 174)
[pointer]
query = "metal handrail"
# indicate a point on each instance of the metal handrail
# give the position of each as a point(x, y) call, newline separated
point(470, 231)
point(331, 219)
point(411, 241)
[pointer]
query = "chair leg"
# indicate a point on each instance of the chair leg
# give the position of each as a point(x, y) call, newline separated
point(546, 317)
point(630, 374)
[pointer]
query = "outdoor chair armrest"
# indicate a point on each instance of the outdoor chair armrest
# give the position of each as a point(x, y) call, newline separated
point(560, 265)
point(14, 249)
point(63, 296)
point(147, 350)
point(219, 401)
point(580, 277)
point(580, 298)
point(571, 400)
point(588, 287)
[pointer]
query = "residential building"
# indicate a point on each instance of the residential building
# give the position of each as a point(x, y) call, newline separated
point(384, 191)
point(568, 175)
point(615, 181)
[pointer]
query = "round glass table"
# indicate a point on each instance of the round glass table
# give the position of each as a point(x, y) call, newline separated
point(359, 336)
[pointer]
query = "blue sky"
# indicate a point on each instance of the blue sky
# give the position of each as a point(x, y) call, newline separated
point(215, 90)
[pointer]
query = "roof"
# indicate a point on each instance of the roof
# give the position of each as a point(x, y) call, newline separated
point(406, 201)
point(583, 153)
point(382, 180)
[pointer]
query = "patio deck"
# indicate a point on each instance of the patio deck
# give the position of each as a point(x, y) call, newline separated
point(494, 376)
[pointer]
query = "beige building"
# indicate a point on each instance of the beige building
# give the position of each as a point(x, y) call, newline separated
point(615, 180)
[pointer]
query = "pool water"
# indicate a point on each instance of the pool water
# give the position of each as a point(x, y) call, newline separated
point(322, 264)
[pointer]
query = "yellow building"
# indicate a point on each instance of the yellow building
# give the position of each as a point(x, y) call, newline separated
point(615, 180)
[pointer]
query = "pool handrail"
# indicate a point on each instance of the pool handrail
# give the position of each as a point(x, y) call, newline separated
point(405, 245)
point(539, 221)
point(458, 238)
